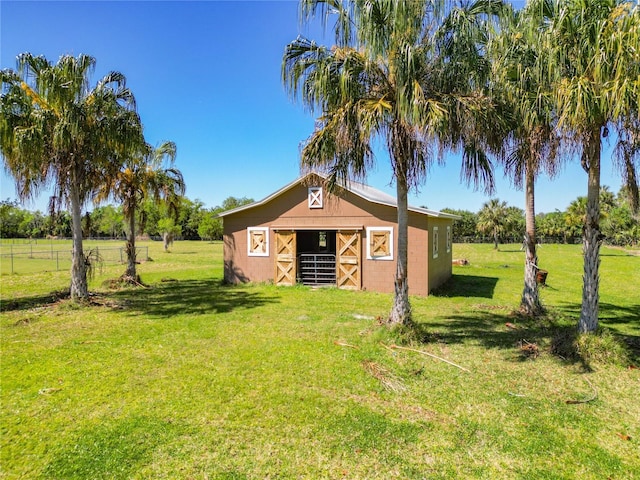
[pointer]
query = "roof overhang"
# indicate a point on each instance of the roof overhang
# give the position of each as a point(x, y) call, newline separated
point(366, 192)
point(322, 228)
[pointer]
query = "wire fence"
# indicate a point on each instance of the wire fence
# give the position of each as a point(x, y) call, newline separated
point(32, 258)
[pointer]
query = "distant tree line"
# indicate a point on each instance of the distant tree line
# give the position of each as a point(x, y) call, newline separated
point(193, 221)
point(196, 222)
point(618, 223)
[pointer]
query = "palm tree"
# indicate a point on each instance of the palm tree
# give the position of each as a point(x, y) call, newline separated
point(149, 174)
point(627, 152)
point(56, 131)
point(574, 216)
point(387, 77)
point(595, 46)
point(492, 218)
point(576, 213)
point(521, 80)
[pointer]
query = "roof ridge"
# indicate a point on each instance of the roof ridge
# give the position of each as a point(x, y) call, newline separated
point(365, 191)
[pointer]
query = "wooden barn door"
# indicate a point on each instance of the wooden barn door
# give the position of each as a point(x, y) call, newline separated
point(348, 271)
point(285, 258)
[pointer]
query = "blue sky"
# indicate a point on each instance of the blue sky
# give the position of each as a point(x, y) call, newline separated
point(206, 75)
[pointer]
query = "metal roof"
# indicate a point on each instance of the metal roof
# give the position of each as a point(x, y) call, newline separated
point(366, 192)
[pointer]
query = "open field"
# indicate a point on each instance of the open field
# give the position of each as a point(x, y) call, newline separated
point(23, 256)
point(190, 378)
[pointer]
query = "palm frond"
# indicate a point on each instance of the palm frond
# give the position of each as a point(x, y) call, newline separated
point(477, 168)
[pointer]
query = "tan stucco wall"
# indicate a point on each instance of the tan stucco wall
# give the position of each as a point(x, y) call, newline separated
point(440, 268)
point(291, 211)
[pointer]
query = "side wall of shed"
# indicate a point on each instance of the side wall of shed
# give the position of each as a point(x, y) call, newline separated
point(440, 269)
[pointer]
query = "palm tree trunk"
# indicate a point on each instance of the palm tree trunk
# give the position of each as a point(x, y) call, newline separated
point(79, 288)
point(495, 238)
point(530, 302)
point(592, 237)
point(401, 310)
point(131, 246)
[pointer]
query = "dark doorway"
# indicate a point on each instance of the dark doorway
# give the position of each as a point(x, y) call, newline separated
point(316, 251)
point(316, 241)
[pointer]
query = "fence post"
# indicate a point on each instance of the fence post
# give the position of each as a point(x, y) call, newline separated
point(57, 260)
point(120, 254)
point(12, 262)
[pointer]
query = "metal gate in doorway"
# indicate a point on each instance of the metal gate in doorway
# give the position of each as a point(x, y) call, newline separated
point(317, 269)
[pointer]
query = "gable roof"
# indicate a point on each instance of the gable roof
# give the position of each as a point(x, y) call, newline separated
point(366, 192)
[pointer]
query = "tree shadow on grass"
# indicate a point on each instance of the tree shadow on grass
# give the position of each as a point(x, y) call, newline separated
point(496, 327)
point(622, 321)
point(26, 303)
point(609, 314)
point(502, 327)
point(180, 297)
point(467, 286)
point(166, 299)
point(485, 327)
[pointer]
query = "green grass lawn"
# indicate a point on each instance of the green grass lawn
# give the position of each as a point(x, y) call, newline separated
point(192, 379)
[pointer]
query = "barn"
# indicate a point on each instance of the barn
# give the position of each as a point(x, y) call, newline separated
point(303, 234)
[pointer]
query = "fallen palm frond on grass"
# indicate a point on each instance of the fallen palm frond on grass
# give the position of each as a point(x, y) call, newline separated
point(123, 281)
point(422, 352)
point(528, 349)
point(587, 400)
point(387, 378)
point(99, 300)
point(130, 280)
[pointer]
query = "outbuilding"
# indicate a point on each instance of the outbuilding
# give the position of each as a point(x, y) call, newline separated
point(303, 234)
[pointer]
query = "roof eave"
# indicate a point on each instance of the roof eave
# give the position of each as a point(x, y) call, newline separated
point(263, 201)
point(289, 186)
point(435, 213)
